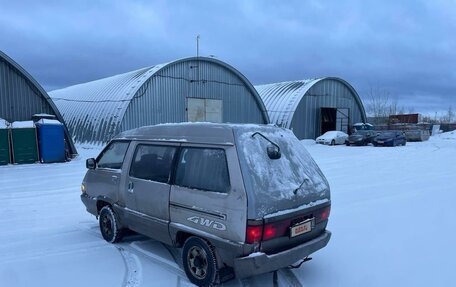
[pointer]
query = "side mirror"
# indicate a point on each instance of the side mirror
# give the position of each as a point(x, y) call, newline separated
point(91, 163)
point(273, 152)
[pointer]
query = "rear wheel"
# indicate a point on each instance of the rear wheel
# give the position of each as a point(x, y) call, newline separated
point(109, 225)
point(200, 263)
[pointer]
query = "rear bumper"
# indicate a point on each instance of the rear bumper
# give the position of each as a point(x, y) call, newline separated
point(359, 142)
point(258, 263)
point(384, 144)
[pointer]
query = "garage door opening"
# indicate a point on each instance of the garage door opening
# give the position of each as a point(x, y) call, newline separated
point(342, 120)
point(328, 117)
point(333, 119)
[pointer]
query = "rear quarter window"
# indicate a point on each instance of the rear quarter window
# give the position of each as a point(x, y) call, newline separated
point(152, 162)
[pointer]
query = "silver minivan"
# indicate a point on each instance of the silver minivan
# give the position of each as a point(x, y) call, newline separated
point(238, 199)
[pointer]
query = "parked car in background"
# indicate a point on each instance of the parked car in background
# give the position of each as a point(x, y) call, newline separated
point(363, 126)
point(332, 138)
point(390, 138)
point(362, 137)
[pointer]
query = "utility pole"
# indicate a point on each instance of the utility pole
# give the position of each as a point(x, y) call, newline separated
point(197, 45)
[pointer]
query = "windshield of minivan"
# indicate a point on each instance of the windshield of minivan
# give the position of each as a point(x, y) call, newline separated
point(273, 181)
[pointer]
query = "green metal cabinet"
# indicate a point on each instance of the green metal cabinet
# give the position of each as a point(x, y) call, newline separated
point(5, 152)
point(24, 144)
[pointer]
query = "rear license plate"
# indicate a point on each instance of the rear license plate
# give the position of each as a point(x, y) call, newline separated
point(380, 141)
point(301, 228)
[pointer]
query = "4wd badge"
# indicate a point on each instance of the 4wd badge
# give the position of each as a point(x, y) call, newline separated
point(207, 222)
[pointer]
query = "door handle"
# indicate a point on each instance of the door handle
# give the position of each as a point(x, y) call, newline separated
point(115, 178)
point(131, 186)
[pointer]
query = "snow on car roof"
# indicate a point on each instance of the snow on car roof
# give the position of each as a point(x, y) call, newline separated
point(330, 133)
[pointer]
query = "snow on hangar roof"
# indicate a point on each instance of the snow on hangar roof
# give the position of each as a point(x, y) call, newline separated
point(94, 111)
point(282, 99)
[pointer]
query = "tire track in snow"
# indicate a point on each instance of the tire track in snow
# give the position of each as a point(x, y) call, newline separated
point(133, 279)
point(289, 278)
point(133, 274)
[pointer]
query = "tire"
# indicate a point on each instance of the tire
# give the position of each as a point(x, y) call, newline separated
point(109, 225)
point(200, 262)
point(347, 144)
point(333, 142)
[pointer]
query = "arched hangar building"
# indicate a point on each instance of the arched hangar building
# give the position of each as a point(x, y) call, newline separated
point(312, 107)
point(190, 89)
point(21, 97)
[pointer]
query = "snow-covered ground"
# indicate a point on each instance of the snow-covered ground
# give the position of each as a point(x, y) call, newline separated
point(392, 218)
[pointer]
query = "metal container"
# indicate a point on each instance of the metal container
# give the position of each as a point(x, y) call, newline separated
point(24, 142)
point(5, 152)
point(51, 140)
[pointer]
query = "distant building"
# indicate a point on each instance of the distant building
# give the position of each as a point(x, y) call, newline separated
point(21, 97)
point(312, 107)
point(192, 89)
point(405, 119)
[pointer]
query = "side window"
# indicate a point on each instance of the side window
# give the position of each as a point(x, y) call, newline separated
point(152, 162)
point(203, 168)
point(113, 156)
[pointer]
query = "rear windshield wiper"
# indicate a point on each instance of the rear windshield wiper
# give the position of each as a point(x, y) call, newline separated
point(306, 179)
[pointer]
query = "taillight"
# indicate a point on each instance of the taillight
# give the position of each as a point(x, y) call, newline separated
point(322, 214)
point(254, 233)
point(276, 229)
point(257, 232)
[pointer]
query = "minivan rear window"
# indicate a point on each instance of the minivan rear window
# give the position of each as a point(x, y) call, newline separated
point(152, 162)
point(278, 184)
point(204, 169)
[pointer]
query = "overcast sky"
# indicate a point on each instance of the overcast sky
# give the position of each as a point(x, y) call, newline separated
point(406, 48)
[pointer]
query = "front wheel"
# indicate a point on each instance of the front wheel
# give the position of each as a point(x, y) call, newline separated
point(333, 142)
point(200, 263)
point(109, 225)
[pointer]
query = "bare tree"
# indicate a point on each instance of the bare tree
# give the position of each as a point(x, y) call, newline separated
point(380, 105)
point(449, 117)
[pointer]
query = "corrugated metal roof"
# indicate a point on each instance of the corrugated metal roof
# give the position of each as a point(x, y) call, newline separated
point(282, 99)
point(102, 104)
point(19, 92)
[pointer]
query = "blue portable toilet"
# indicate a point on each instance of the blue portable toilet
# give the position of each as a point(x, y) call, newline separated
point(51, 140)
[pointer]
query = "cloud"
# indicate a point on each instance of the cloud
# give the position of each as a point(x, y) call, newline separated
point(406, 47)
